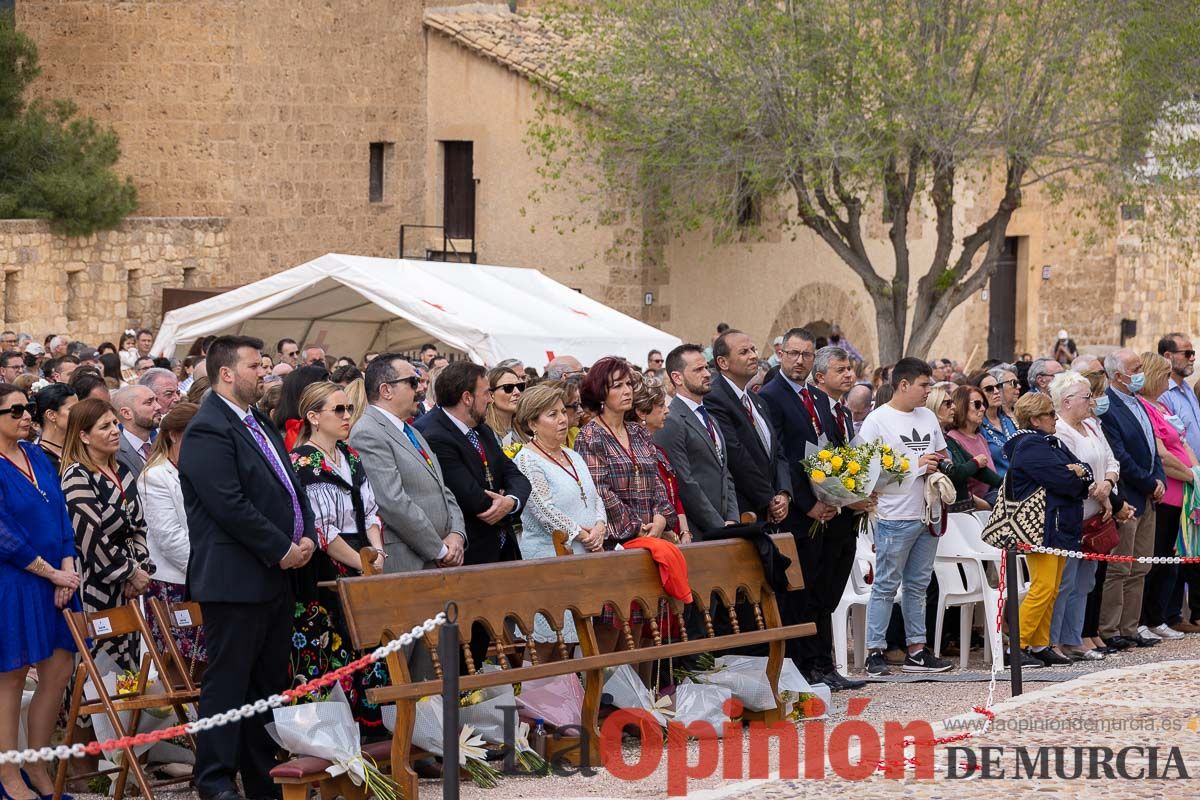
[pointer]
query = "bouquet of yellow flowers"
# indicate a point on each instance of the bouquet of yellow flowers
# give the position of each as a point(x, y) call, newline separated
point(842, 476)
point(894, 468)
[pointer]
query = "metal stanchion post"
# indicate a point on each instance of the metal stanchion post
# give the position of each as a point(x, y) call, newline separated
point(1012, 609)
point(448, 643)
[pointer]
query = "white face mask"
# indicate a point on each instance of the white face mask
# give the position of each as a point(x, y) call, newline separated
point(1176, 423)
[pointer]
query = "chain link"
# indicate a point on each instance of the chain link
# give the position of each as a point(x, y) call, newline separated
point(233, 715)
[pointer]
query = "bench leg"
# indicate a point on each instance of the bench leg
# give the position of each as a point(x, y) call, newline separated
point(341, 786)
point(402, 771)
point(295, 791)
point(590, 715)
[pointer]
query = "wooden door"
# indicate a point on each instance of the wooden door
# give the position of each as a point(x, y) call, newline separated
point(458, 203)
point(1002, 311)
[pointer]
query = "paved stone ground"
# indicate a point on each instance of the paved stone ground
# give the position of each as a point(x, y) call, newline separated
point(1140, 697)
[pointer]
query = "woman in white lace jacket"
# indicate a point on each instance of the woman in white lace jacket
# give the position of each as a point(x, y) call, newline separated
point(564, 497)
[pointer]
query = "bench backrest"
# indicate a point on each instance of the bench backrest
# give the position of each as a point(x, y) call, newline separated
point(382, 606)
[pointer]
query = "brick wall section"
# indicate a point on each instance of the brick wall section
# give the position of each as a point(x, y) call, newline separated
point(257, 110)
point(93, 287)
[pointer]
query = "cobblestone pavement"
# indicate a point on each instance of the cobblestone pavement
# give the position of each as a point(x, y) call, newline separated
point(1139, 697)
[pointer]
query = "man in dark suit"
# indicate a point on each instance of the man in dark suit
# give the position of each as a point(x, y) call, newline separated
point(489, 488)
point(696, 446)
point(833, 374)
point(1127, 428)
point(793, 408)
point(248, 521)
point(760, 473)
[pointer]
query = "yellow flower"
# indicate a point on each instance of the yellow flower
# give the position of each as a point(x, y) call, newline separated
point(887, 448)
point(888, 461)
point(817, 476)
point(904, 464)
point(837, 462)
point(853, 467)
point(337, 642)
point(824, 455)
point(848, 483)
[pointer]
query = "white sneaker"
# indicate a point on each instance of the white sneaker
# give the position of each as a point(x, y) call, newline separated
point(1165, 631)
point(1147, 633)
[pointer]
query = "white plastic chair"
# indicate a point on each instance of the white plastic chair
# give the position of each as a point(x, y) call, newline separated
point(962, 582)
point(854, 604)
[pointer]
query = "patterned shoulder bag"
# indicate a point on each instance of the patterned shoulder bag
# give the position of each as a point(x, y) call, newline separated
point(1013, 523)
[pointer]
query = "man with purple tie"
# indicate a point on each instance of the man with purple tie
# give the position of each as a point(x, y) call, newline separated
point(248, 521)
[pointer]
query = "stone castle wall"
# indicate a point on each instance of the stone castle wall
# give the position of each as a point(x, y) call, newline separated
point(94, 287)
point(262, 111)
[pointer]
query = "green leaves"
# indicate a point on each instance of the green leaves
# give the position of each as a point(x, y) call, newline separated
point(54, 165)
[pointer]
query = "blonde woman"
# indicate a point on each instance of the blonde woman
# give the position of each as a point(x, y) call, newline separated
point(110, 532)
point(356, 392)
point(346, 517)
point(506, 388)
point(564, 497)
point(167, 540)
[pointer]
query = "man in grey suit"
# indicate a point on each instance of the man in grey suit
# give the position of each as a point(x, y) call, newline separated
point(695, 445)
point(137, 411)
point(422, 523)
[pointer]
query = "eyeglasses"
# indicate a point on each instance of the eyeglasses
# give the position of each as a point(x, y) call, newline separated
point(575, 406)
point(978, 405)
point(509, 388)
point(947, 404)
point(995, 387)
point(1011, 383)
point(795, 354)
point(412, 381)
point(342, 410)
point(18, 410)
point(1185, 353)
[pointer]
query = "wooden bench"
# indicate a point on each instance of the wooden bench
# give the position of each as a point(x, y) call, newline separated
point(378, 608)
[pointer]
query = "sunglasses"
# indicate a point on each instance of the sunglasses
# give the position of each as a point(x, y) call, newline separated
point(342, 409)
point(995, 387)
point(414, 382)
point(18, 410)
point(509, 388)
point(978, 405)
point(1185, 353)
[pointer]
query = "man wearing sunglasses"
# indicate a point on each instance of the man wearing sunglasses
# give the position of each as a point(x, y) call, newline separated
point(422, 522)
point(1181, 400)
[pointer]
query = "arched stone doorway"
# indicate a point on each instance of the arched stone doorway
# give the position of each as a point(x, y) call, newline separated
point(817, 306)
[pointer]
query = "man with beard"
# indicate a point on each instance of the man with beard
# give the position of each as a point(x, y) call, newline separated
point(695, 445)
point(760, 474)
point(248, 521)
point(489, 488)
point(137, 410)
point(423, 526)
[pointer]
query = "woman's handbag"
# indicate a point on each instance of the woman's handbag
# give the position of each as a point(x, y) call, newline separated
point(1016, 522)
point(1100, 536)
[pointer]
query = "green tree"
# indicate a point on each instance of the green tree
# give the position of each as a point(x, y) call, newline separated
point(843, 108)
point(54, 165)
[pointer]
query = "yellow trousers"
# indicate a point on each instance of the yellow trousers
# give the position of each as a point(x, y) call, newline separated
point(1037, 609)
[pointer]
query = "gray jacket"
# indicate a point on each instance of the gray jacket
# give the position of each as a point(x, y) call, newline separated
point(705, 485)
point(129, 458)
point(417, 509)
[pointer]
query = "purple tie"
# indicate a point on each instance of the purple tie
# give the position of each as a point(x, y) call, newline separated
point(269, 453)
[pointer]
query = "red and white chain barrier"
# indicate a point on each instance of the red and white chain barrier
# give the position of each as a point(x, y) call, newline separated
point(1058, 551)
point(217, 720)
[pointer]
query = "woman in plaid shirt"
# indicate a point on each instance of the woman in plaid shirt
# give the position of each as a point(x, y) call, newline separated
point(622, 459)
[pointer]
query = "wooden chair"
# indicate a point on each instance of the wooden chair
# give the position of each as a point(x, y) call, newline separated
point(100, 626)
point(171, 617)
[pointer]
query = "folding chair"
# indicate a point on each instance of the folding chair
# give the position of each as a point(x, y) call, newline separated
point(171, 617)
point(100, 626)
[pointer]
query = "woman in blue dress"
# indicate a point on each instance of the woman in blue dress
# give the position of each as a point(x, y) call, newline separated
point(38, 578)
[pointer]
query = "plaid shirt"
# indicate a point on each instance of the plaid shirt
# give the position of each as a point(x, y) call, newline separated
point(631, 497)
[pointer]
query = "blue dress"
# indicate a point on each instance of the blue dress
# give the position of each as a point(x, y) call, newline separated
point(32, 524)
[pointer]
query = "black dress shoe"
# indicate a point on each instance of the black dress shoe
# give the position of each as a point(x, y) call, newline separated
point(1119, 642)
point(1108, 651)
point(226, 795)
point(1049, 657)
point(1144, 641)
point(847, 683)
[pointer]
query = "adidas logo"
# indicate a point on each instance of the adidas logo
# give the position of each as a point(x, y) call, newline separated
point(917, 443)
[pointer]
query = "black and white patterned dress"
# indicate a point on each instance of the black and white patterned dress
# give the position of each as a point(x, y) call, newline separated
point(110, 535)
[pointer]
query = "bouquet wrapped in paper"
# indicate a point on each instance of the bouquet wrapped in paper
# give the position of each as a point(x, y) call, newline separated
point(123, 683)
point(326, 729)
point(557, 701)
point(746, 679)
point(896, 471)
point(698, 702)
point(427, 735)
point(483, 710)
point(841, 476)
point(624, 686)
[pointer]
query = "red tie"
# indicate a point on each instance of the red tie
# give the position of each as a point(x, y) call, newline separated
point(811, 407)
point(841, 420)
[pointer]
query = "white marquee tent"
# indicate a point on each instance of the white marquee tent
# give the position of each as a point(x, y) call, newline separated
point(354, 304)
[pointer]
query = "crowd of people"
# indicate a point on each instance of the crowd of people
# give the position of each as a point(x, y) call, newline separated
point(244, 478)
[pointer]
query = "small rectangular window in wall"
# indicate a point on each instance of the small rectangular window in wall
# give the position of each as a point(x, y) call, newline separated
point(380, 154)
point(76, 301)
point(12, 300)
